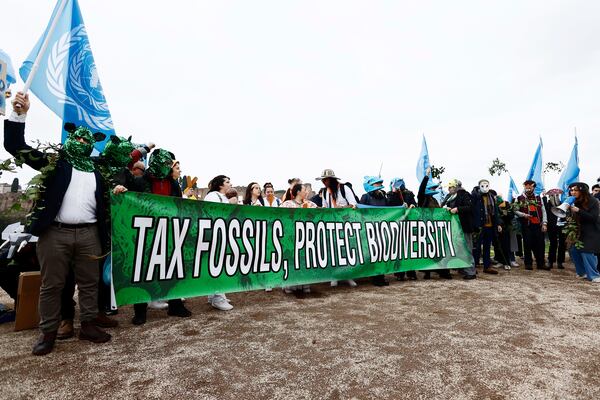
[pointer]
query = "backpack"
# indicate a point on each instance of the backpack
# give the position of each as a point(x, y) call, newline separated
point(343, 191)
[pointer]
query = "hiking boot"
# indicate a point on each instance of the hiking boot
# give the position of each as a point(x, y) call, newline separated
point(65, 329)
point(103, 321)
point(380, 281)
point(89, 331)
point(490, 270)
point(177, 309)
point(44, 344)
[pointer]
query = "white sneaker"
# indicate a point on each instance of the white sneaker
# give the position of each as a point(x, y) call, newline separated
point(287, 290)
point(221, 303)
point(507, 267)
point(582, 276)
point(158, 305)
point(333, 283)
point(351, 283)
point(269, 289)
point(514, 264)
point(596, 280)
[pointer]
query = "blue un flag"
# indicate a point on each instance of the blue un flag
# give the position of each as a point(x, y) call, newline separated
point(67, 80)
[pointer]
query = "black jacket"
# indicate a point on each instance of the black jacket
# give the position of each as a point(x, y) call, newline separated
point(376, 198)
point(404, 197)
point(464, 203)
point(589, 222)
point(479, 211)
point(56, 184)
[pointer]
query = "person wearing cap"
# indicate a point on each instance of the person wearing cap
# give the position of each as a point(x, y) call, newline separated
point(585, 241)
point(375, 196)
point(335, 195)
point(458, 201)
point(425, 199)
point(69, 219)
point(400, 196)
point(534, 224)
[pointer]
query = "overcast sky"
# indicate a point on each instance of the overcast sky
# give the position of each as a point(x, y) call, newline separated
point(268, 90)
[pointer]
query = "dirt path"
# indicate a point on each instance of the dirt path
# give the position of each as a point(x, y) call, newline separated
point(519, 335)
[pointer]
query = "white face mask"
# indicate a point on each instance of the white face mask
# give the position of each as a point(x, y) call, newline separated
point(484, 187)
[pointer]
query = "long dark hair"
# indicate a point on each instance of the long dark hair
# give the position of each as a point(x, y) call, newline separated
point(248, 195)
point(335, 185)
point(216, 183)
point(295, 189)
point(585, 197)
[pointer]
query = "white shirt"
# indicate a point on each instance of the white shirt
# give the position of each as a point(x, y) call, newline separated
point(79, 203)
point(340, 200)
point(276, 202)
point(216, 197)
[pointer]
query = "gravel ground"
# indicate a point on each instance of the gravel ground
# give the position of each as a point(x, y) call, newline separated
point(517, 335)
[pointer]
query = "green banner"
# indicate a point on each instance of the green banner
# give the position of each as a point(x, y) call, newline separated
point(167, 247)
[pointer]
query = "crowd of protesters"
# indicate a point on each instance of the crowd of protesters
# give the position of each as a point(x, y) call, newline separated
point(71, 220)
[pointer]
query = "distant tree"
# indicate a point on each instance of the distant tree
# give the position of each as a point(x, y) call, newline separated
point(554, 167)
point(497, 167)
point(436, 172)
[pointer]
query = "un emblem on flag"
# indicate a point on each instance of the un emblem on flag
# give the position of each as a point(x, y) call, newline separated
point(72, 77)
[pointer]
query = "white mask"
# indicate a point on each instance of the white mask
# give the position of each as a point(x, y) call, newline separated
point(484, 187)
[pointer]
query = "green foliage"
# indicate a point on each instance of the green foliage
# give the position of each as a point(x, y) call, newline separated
point(572, 233)
point(497, 167)
point(554, 167)
point(436, 172)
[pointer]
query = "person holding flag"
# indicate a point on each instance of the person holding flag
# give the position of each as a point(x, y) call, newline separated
point(68, 217)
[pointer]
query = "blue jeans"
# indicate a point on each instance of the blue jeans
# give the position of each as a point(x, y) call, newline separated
point(585, 263)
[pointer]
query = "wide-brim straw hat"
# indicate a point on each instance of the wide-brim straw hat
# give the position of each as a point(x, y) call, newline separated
point(327, 173)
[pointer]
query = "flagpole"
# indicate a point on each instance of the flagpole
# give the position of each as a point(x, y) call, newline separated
point(36, 63)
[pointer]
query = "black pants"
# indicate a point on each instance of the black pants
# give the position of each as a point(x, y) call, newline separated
point(533, 243)
point(67, 308)
point(502, 247)
point(140, 309)
point(558, 247)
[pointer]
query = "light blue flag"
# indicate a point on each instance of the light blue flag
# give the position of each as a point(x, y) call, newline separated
point(423, 162)
point(571, 173)
point(67, 80)
point(513, 191)
point(10, 72)
point(535, 172)
point(7, 76)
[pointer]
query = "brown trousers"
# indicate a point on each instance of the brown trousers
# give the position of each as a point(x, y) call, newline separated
point(58, 250)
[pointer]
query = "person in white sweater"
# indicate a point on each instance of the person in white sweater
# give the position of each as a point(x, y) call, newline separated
point(217, 187)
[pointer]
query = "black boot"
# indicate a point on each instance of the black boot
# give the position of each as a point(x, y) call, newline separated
point(560, 266)
point(177, 309)
point(139, 316)
point(44, 344)
point(426, 275)
point(379, 280)
point(400, 276)
point(412, 275)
